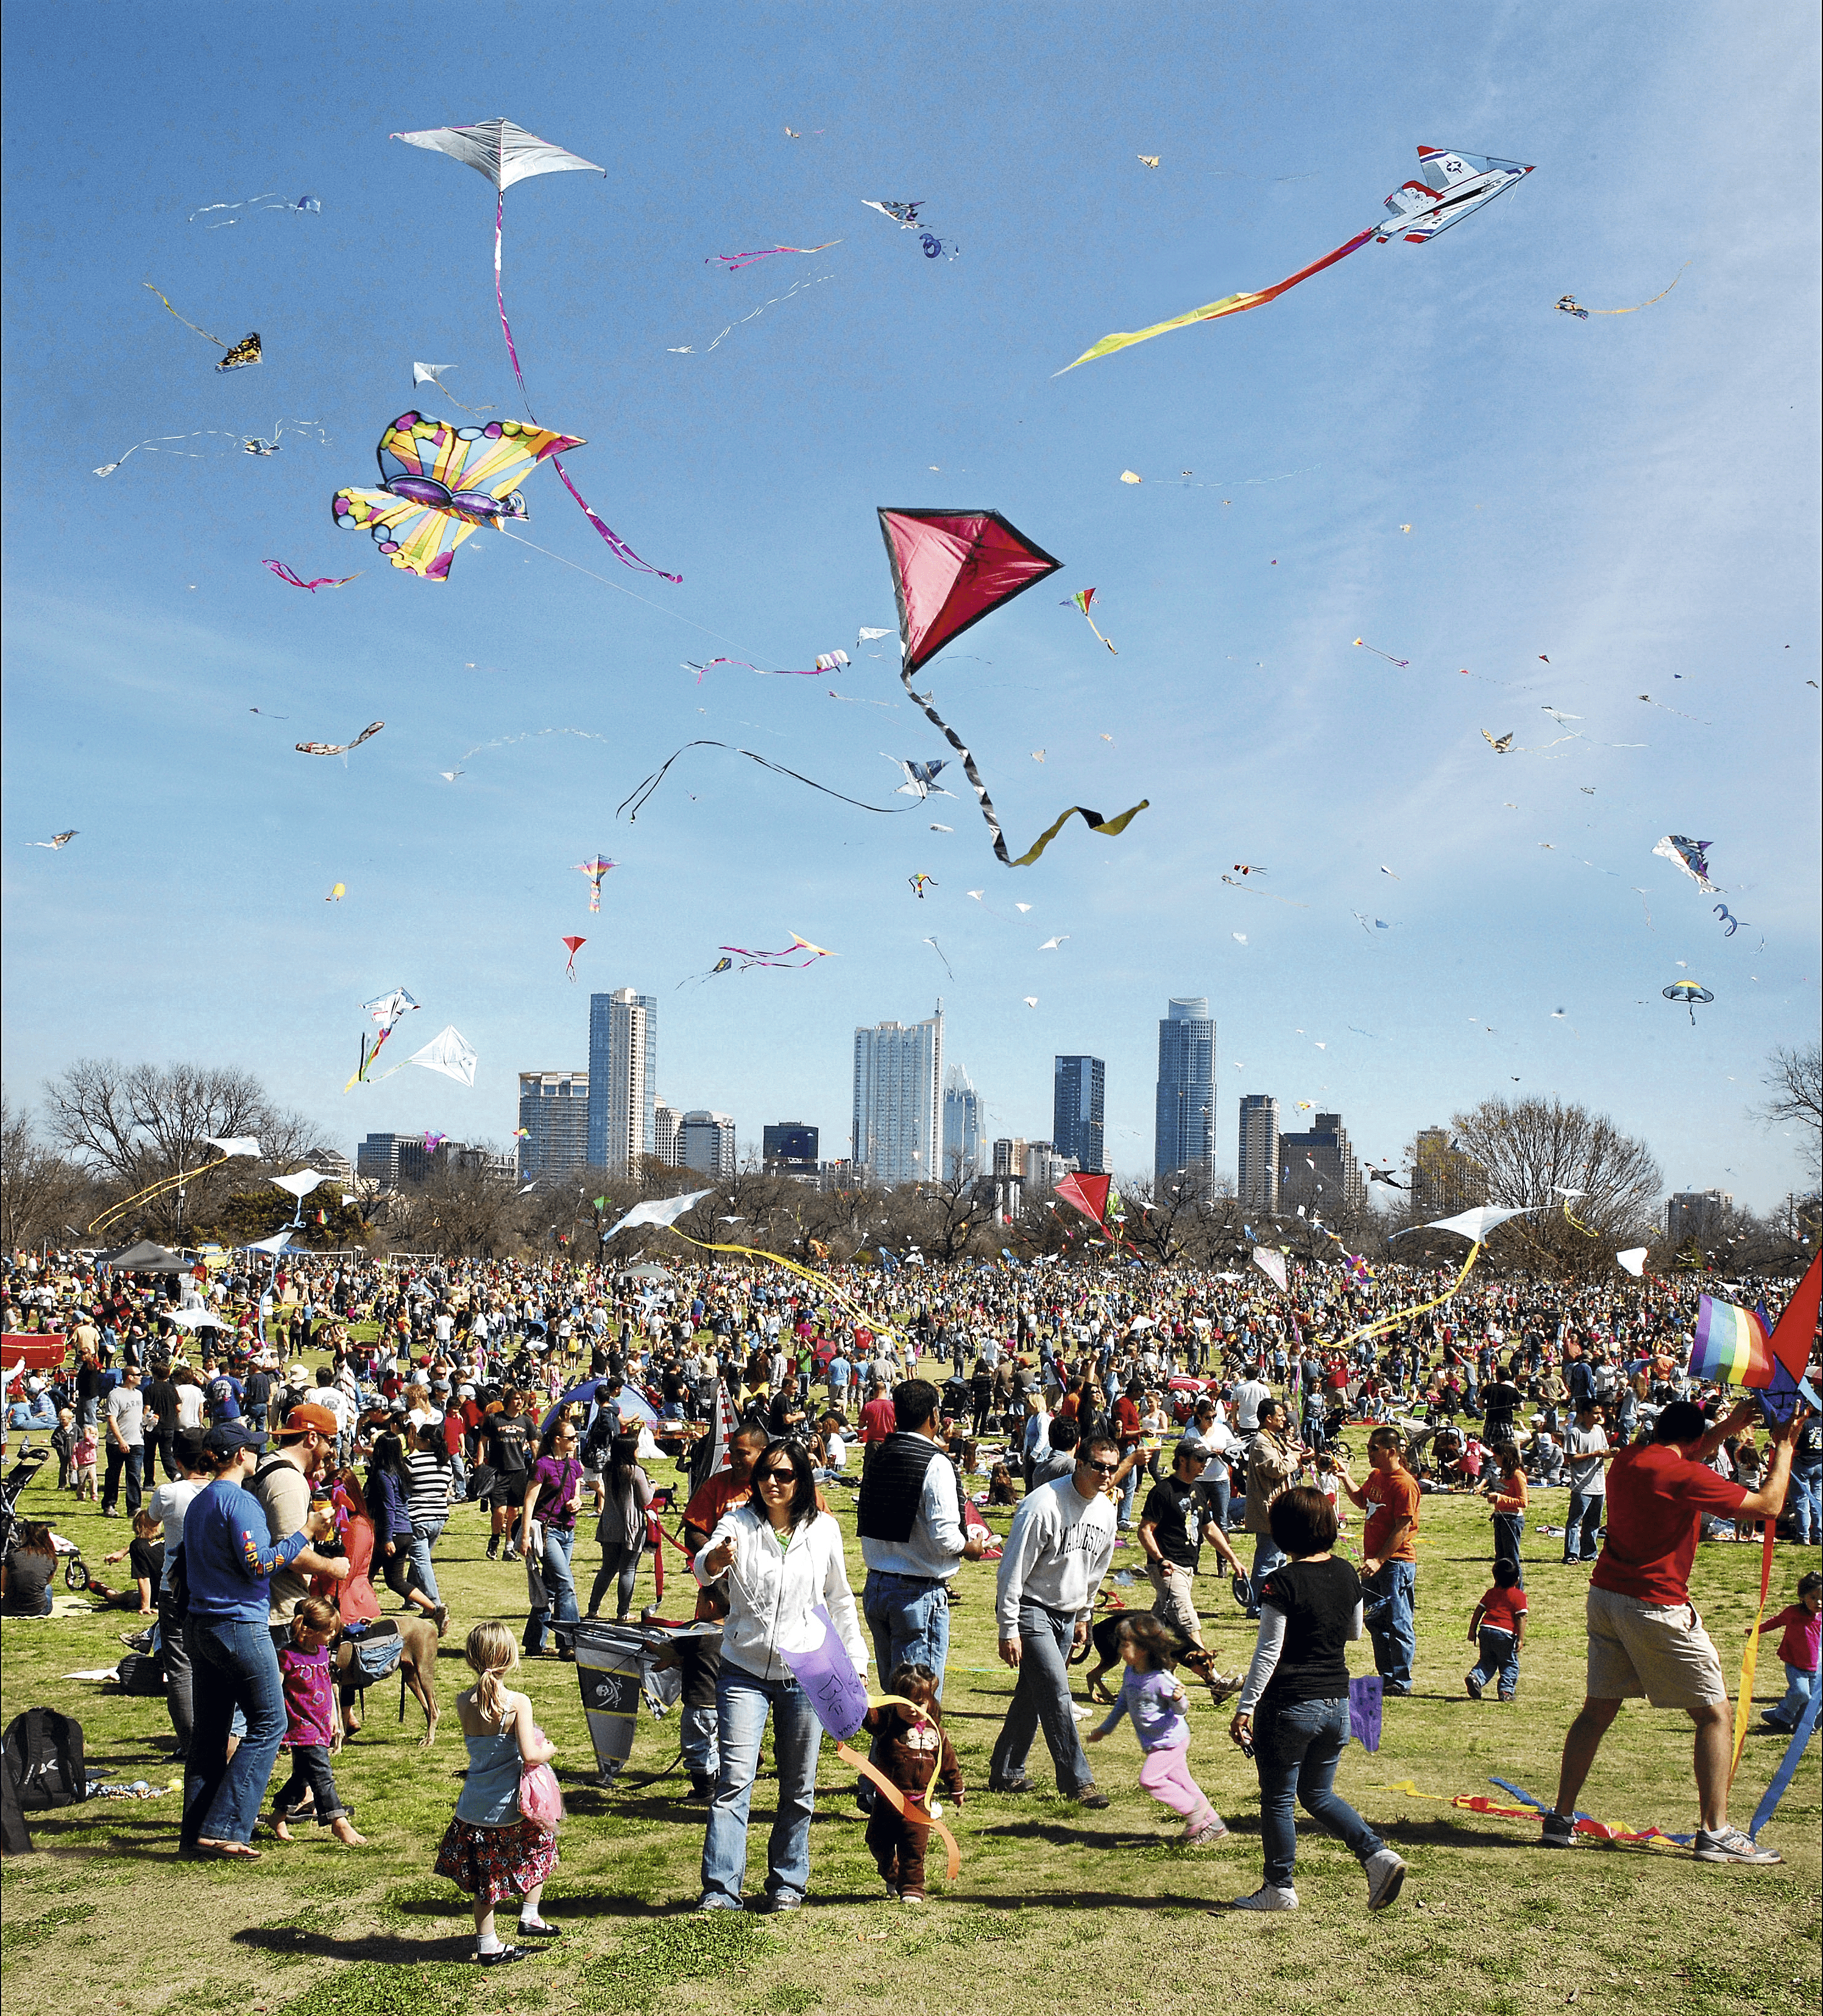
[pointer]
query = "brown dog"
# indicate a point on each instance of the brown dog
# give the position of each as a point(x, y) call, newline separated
point(417, 1669)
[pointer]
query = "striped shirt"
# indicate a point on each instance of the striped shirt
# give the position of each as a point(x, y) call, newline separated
point(426, 1487)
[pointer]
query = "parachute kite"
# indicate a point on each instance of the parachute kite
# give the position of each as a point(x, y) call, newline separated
point(950, 570)
point(1454, 186)
point(572, 946)
point(505, 154)
point(1689, 993)
point(440, 483)
point(595, 870)
point(1084, 600)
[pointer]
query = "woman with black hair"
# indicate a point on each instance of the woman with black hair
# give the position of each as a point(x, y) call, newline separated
point(779, 1558)
point(621, 1526)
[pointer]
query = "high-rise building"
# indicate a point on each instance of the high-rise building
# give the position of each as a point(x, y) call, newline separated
point(898, 1109)
point(961, 1126)
point(1444, 1180)
point(1184, 1137)
point(1009, 1171)
point(1702, 1215)
point(1318, 1169)
point(706, 1142)
point(1077, 1086)
point(623, 1065)
point(1042, 1169)
point(667, 1133)
point(1257, 1158)
point(554, 1121)
point(390, 1160)
point(790, 1149)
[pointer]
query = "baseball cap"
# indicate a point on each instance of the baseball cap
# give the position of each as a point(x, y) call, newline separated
point(226, 1436)
point(304, 1416)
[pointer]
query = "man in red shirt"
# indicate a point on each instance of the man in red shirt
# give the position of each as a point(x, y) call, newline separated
point(1644, 1635)
point(878, 1420)
point(1389, 1560)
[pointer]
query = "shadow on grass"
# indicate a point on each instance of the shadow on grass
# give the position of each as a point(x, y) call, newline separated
point(388, 1949)
point(558, 1910)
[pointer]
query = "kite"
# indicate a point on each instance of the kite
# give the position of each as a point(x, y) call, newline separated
point(721, 966)
point(338, 748)
point(304, 206)
point(1567, 303)
point(936, 828)
point(58, 840)
point(1633, 1261)
point(1051, 944)
point(1385, 1176)
point(658, 1210)
point(1147, 160)
point(691, 350)
point(573, 946)
point(505, 154)
point(1681, 715)
point(1084, 599)
point(337, 892)
point(919, 883)
point(595, 870)
point(387, 1010)
point(447, 1052)
point(441, 483)
point(777, 959)
point(733, 261)
point(1503, 746)
point(285, 574)
point(236, 354)
point(938, 950)
point(903, 214)
point(1038, 755)
point(426, 374)
point(864, 635)
point(1403, 664)
point(247, 444)
point(920, 779)
point(950, 570)
point(1131, 476)
point(1385, 870)
point(1420, 211)
point(1693, 857)
point(1689, 993)
point(1233, 883)
point(1031, 1000)
point(1272, 1265)
point(934, 248)
point(1248, 868)
point(641, 793)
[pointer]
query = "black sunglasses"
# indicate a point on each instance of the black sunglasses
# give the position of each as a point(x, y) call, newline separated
point(775, 1476)
point(1102, 1469)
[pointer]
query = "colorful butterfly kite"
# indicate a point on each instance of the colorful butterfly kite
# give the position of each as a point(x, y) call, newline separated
point(1084, 600)
point(338, 748)
point(505, 154)
point(440, 484)
point(1455, 186)
point(284, 573)
point(595, 870)
point(950, 570)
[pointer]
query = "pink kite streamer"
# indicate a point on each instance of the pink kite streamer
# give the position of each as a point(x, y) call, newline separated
point(323, 581)
point(733, 261)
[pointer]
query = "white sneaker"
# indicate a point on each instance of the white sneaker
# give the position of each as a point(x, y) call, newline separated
point(1385, 1879)
point(1730, 1845)
point(1268, 1897)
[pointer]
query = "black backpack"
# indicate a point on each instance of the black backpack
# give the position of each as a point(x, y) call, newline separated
point(44, 1755)
point(142, 1673)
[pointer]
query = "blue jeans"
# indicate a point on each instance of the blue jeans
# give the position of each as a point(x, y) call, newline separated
point(1509, 1536)
point(1499, 1653)
point(1799, 1686)
point(1805, 1520)
point(1042, 1698)
point(909, 1619)
point(558, 1587)
point(1295, 1750)
point(1214, 1485)
point(1267, 1555)
point(1389, 1593)
point(743, 1702)
point(233, 1667)
point(424, 1537)
point(1578, 1531)
point(1129, 1484)
point(133, 1461)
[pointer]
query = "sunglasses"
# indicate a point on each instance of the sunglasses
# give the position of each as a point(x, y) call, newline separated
point(775, 1476)
point(1102, 1469)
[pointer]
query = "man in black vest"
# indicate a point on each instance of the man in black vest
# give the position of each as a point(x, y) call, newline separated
point(912, 1537)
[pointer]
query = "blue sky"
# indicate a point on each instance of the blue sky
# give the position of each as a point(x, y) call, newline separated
point(1633, 497)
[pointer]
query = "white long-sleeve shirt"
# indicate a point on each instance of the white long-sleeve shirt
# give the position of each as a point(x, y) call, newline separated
point(772, 1588)
point(1056, 1555)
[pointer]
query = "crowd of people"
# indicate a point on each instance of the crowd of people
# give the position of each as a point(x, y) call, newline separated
point(316, 1419)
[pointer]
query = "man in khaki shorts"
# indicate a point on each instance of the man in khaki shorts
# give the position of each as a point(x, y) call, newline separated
point(1644, 1635)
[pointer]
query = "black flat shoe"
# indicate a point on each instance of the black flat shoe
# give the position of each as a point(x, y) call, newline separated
point(539, 1931)
point(505, 1957)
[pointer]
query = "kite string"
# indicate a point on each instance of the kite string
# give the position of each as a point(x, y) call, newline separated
point(618, 546)
point(621, 585)
point(640, 793)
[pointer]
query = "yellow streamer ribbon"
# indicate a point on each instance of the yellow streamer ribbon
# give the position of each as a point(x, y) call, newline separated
point(1381, 1324)
point(1750, 1658)
point(823, 1281)
point(915, 1811)
point(152, 1190)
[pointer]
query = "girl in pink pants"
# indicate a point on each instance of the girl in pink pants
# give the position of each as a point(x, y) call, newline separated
point(1152, 1695)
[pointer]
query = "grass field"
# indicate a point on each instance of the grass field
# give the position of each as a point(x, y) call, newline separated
point(1052, 1904)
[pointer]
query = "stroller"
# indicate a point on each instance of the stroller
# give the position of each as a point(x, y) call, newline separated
point(75, 1573)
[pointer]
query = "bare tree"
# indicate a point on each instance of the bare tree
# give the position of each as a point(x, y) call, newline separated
point(41, 1192)
point(1794, 1077)
point(466, 1208)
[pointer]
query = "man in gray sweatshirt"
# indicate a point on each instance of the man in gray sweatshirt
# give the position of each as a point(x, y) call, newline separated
point(1062, 1541)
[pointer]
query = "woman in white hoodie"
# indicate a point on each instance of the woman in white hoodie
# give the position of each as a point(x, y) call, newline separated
point(778, 1558)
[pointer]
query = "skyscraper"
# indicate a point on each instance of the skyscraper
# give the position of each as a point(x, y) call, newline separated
point(1319, 1168)
point(706, 1142)
point(623, 1064)
point(554, 1121)
point(961, 1124)
point(1077, 1088)
point(790, 1148)
point(1184, 1138)
point(1257, 1170)
point(898, 1111)
point(667, 1132)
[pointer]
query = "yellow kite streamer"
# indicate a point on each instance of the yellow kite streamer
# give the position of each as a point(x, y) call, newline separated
point(1750, 1658)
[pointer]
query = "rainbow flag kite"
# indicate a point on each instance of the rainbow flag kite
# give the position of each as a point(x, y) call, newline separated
point(1731, 1345)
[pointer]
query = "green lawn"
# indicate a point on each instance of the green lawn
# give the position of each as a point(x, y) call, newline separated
point(1052, 1902)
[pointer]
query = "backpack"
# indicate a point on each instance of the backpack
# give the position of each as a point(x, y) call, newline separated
point(372, 1654)
point(44, 1754)
point(142, 1673)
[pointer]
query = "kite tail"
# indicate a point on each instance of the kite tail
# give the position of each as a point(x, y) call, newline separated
point(856, 1309)
point(1381, 1324)
point(1750, 1657)
point(1094, 821)
point(974, 775)
point(217, 340)
point(617, 546)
